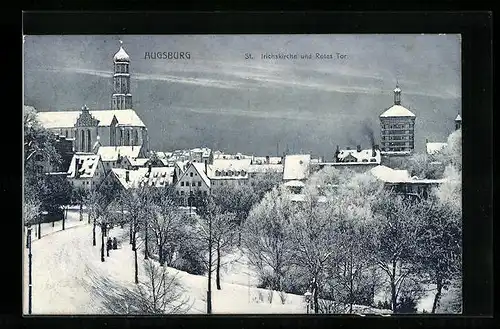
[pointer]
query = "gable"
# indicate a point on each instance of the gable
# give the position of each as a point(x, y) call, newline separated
point(192, 169)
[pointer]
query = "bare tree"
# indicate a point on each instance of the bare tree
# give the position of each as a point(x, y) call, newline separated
point(396, 233)
point(440, 239)
point(167, 224)
point(354, 224)
point(265, 235)
point(224, 235)
point(160, 293)
point(313, 234)
point(135, 205)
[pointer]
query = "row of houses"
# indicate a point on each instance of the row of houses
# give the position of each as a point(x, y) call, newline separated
point(128, 168)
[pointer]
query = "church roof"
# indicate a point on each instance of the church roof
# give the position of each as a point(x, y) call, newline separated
point(110, 153)
point(121, 56)
point(397, 111)
point(458, 118)
point(67, 119)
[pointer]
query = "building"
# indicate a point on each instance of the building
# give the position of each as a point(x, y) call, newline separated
point(192, 182)
point(228, 172)
point(397, 127)
point(119, 156)
point(64, 147)
point(296, 167)
point(86, 171)
point(359, 160)
point(458, 122)
point(120, 126)
point(400, 182)
point(149, 176)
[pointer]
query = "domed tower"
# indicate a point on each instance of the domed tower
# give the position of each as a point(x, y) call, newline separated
point(397, 127)
point(458, 122)
point(122, 98)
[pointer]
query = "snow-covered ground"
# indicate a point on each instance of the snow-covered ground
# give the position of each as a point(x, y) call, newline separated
point(69, 277)
point(73, 220)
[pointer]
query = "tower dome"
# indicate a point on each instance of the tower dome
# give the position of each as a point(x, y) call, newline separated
point(121, 55)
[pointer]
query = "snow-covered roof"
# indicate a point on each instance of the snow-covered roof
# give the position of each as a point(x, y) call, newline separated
point(296, 167)
point(158, 177)
point(67, 119)
point(110, 153)
point(121, 56)
point(256, 160)
point(390, 175)
point(458, 118)
point(302, 198)
point(364, 156)
point(182, 165)
point(229, 169)
point(138, 162)
point(263, 168)
point(200, 168)
point(433, 148)
point(397, 111)
point(294, 183)
point(88, 165)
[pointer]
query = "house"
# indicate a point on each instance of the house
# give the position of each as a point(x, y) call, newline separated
point(228, 171)
point(149, 176)
point(256, 170)
point(86, 171)
point(191, 182)
point(359, 160)
point(296, 167)
point(119, 156)
point(400, 181)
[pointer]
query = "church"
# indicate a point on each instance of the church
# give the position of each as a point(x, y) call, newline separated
point(119, 126)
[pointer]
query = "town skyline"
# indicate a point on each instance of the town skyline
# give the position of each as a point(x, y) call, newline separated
point(220, 100)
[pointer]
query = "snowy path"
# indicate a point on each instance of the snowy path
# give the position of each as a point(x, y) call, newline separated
point(69, 278)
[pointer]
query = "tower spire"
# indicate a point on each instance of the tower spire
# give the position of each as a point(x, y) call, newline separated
point(121, 98)
point(397, 94)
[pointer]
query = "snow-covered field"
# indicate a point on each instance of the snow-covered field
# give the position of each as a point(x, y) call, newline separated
point(69, 277)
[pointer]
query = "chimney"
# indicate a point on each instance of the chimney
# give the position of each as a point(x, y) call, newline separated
point(426, 141)
point(337, 152)
point(127, 176)
point(374, 154)
point(149, 167)
point(358, 148)
point(206, 167)
point(267, 159)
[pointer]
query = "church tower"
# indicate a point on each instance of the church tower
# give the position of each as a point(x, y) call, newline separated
point(122, 98)
point(397, 128)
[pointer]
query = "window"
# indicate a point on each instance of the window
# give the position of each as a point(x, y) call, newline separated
point(193, 184)
point(182, 183)
point(217, 173)
point(182, 192)
point(199, 183)
point(205, 193)
point(191, 174)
